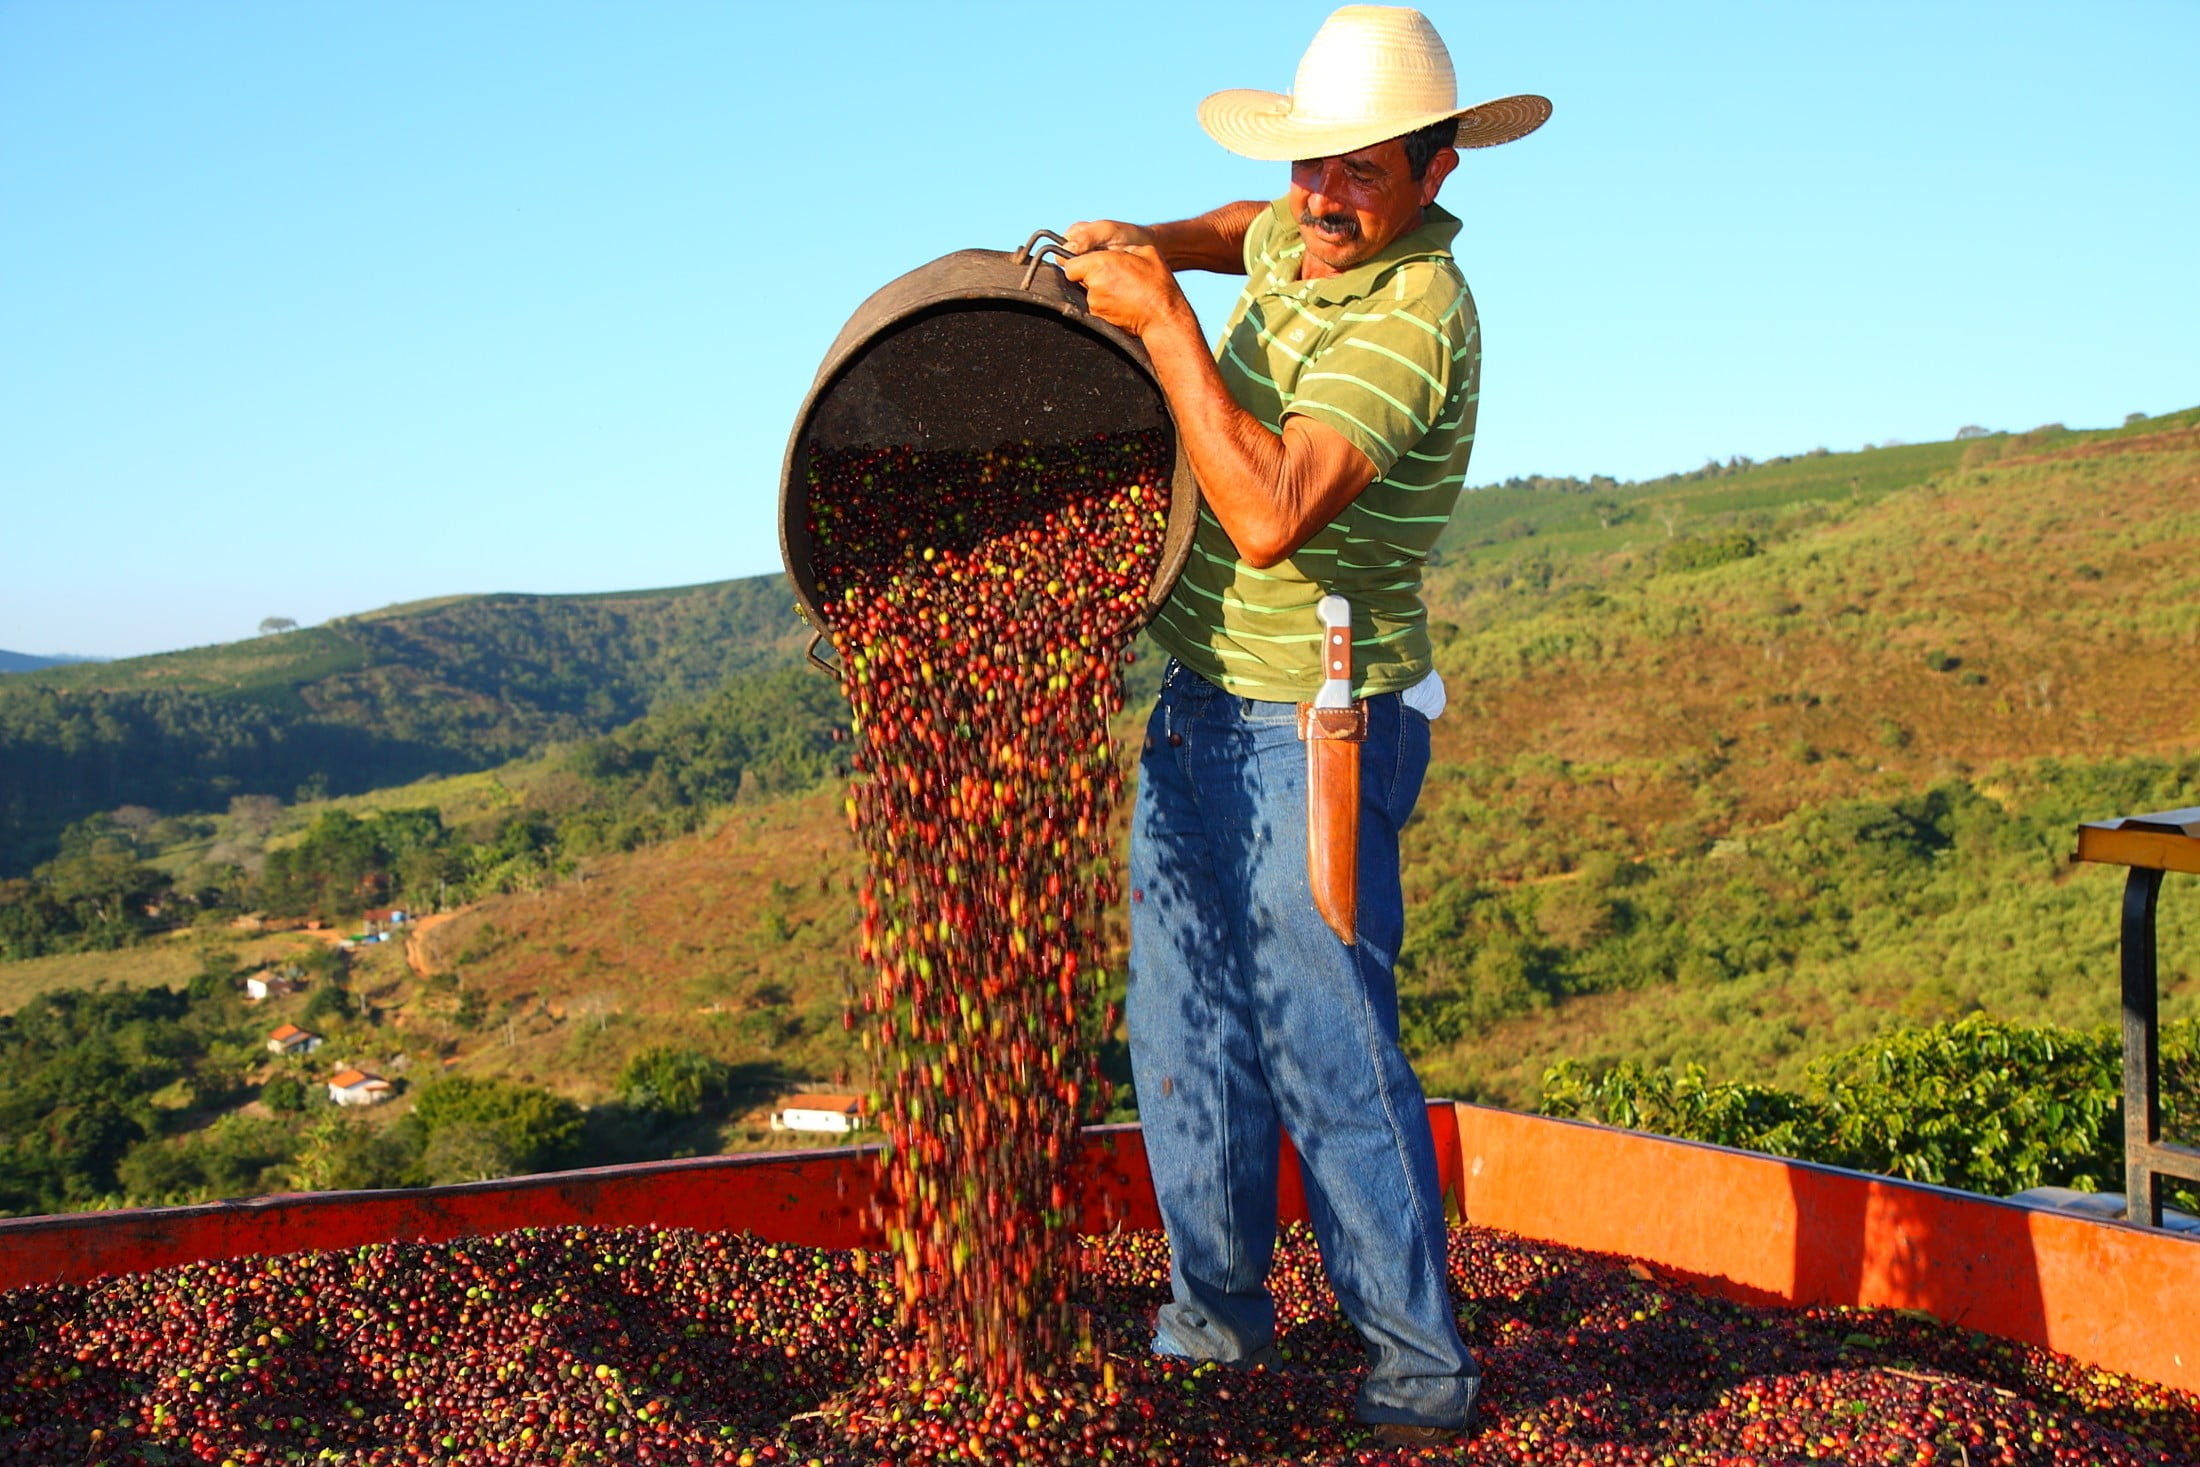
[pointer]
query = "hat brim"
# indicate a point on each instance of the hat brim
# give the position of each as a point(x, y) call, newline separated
point(1257, 124)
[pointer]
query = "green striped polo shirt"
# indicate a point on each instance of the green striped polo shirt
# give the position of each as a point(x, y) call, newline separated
point(1389, 355)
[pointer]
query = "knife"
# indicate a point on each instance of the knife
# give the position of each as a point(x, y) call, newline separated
point(1334, 726)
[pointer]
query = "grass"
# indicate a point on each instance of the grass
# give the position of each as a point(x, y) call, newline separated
point(1494, 525)
point(268, 668)
point(170, 961)
point(733, 941)
point(464, 799)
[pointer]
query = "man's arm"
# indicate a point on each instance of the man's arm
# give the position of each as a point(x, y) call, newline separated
point(1213, 241)
point(1271, 492)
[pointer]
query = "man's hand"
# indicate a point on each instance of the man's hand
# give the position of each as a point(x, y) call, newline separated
point(1270, 491)
point(1213, 241)
point(1129, 286)
point(1106, 234)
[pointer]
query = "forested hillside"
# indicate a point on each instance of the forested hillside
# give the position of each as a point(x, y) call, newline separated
point(1770, 769)
point(1800, 756)
point(1742, 767)
point(365, 701)
point(121, 876)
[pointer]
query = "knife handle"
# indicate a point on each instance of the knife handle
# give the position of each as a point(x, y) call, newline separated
point(1336, 689)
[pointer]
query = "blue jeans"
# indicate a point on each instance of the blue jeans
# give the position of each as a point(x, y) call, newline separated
point(1248, 1015)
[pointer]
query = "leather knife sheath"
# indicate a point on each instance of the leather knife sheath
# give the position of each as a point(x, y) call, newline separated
point(1333, 737)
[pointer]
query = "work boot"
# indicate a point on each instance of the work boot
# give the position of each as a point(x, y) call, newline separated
point(1410, 1436)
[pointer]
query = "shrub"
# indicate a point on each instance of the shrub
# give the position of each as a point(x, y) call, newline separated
point(328, 1000)
point(467, 1152)
point(344, 1153)
point(536, 1128)
point(236, 1156)
point(1980, 1104)
point(1688, 1104)
point(1683, 556)
point(671, 1081)
point(286, 1093)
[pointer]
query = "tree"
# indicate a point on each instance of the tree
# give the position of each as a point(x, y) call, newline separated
point(255, 815)
point(1987, 1106)
point(284, 1093)
point(535, 1128)
point(1696, 555)
point(671, 1081)
point(344, 860)
point(133, 821)
point(275, 624)
point(329, 999)
point(92, 896)
point(467, 1152)
point(341, 1154)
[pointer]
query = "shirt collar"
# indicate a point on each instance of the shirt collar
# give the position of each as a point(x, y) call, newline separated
point(1430, 240)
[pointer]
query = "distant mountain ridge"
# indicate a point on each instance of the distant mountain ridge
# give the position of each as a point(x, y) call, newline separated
point(365, 701)
point(29, 662)
point(462, 684)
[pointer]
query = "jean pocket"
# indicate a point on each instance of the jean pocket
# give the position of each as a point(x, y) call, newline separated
point(1408, 731)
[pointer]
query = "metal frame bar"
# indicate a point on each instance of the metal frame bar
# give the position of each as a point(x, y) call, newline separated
point(2147, 1157)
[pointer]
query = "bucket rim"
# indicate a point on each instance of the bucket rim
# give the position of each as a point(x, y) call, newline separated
point(980, 279)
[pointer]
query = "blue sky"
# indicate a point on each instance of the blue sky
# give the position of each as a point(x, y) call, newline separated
point(308, 309)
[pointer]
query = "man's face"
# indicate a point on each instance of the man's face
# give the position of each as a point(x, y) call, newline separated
point(1351, 206)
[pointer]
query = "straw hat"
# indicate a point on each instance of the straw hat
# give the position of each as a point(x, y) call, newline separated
point(1373, 72)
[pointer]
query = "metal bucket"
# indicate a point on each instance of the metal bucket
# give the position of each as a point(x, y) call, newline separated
point(976, 349)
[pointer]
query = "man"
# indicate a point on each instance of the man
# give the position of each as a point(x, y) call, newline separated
point(1330, 435)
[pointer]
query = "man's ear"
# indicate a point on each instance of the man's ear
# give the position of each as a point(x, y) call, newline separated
point(1439, 169)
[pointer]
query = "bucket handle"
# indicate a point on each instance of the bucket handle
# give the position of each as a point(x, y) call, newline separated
point(811, 653)
point(1060, 247)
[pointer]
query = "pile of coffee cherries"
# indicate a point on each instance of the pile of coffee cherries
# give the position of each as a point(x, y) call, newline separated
point(981, 606)
point(600, 1346)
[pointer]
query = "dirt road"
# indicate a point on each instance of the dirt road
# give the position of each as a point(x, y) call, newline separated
point(416, 947)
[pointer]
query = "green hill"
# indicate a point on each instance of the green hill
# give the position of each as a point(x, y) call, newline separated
point(366, 701)
point(1800, 759)
point(1745, 767)
point(1742, 766)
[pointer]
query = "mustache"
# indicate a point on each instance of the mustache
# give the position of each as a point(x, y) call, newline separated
point(1339, 223)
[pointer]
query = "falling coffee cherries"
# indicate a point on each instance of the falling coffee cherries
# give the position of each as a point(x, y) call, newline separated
point(980, 605)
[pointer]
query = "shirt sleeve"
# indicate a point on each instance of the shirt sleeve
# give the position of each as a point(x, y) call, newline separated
point(1384, 373)
point(1257, 236)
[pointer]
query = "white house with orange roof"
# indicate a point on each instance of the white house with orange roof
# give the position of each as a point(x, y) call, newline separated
point(831, 1114)
point(290, 1039)
point(357, 1087)
point(267, 983)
